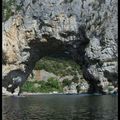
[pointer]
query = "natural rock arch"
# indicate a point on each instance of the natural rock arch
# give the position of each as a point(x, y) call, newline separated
point(45, 27)
point(49, 45)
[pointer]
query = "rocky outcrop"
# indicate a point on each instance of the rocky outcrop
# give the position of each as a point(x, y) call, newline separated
point(84, 29)
point(39, 75)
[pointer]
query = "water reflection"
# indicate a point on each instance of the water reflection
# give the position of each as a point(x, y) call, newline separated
point(60, 107)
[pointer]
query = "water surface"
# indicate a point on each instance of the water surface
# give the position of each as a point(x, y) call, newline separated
point(60, 107)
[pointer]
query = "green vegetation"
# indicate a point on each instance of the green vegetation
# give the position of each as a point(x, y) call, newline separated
point(58, 66)
point(75, 79)
point(42, 86)
point(8, 7)
point(66, 82)
point(110, 88)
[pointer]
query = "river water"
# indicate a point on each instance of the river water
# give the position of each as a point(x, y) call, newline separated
point(60, 107)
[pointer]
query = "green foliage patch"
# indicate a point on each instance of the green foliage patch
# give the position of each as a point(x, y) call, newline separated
point(42, 86)
point(66, 82)
point(58, 66)
point(7, 8)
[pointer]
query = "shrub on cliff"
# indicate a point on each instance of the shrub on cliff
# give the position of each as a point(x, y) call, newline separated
point(9, 7)
point(42, 86)
point(66, 82)
point(58, 66)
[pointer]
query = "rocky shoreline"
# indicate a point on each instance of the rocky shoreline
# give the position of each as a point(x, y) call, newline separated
point(31, 94)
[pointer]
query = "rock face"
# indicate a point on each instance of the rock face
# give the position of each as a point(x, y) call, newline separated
point(40, 75)
point(84, 29)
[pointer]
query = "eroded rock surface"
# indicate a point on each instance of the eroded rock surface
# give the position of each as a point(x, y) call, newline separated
point(84, 29)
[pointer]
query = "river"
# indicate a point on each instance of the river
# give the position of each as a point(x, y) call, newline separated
point(60, 107)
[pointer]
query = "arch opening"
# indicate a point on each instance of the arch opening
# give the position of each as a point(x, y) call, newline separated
point(56, 73)
point(73, 49)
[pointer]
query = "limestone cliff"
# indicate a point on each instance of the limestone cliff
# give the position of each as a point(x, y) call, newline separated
point(84, 29)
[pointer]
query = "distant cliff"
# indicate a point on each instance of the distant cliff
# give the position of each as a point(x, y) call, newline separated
point(86, 30)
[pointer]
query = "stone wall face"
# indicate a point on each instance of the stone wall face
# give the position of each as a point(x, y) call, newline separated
point(37, 75)
point(85, 29)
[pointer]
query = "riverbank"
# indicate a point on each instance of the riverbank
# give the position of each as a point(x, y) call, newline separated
point(32, 94)
point(27, 94)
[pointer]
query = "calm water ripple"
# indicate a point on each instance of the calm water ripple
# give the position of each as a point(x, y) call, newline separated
point(60, 107)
